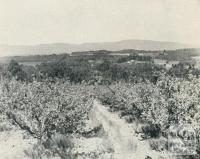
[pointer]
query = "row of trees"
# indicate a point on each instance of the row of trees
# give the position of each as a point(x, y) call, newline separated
point(77, 70)
point(172, 101)
point(49, 112)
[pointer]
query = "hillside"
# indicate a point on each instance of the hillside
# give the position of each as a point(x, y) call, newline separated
point(56, 48)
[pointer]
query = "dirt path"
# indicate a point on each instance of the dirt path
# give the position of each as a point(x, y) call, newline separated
point(119, 140)
point(121, 136)
point(12, 144)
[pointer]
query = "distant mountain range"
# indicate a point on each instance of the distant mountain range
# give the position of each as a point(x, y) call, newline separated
point(57, 48)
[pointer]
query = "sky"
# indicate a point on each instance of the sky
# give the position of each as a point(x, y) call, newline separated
point(28, 22)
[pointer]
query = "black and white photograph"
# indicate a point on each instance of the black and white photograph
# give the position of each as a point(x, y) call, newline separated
point(99, 79)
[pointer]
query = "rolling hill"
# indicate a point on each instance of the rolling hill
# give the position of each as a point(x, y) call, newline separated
point(57, 48)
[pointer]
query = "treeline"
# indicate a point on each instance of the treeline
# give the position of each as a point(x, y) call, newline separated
point(180, 54)
point(78, 70)
point(98, 69)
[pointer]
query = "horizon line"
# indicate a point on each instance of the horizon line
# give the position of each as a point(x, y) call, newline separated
point(81, 43)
